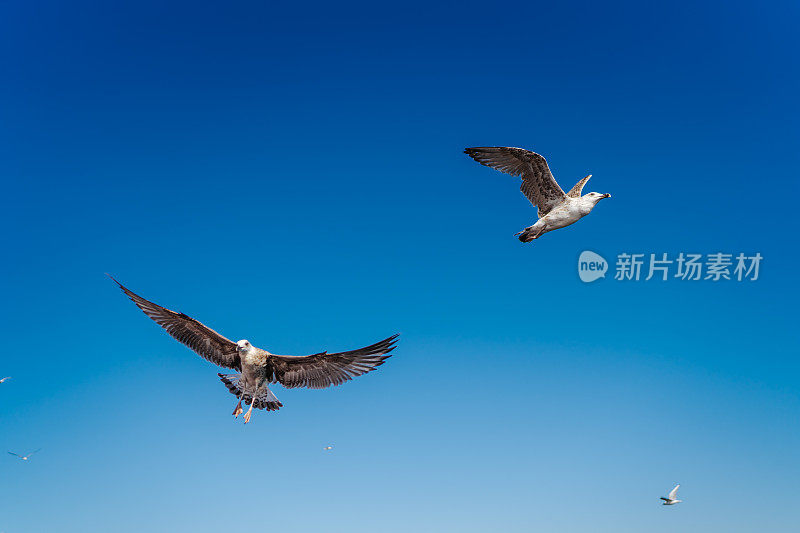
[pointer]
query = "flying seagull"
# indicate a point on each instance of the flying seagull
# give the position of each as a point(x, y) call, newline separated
point(2, 380)
point(25, 457)
point(556, 208)
point(670, 499)
point(257, 368)
point(328, 448)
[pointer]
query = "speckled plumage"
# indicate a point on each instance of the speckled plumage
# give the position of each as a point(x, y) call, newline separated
point(556, 209)
point(257, 367)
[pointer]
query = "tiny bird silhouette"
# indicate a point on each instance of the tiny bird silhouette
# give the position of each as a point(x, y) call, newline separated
point(24, 457)
point(670, 499)
point(5, 379)
point(328, 448)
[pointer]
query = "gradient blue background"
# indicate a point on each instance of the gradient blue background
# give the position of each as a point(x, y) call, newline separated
point(294, 175)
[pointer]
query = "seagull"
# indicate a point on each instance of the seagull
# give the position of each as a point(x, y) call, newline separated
point(556, 209)
point(2, 380)
point(25, 457)
point(670, 499)
point(328, 448)
point(257, 368)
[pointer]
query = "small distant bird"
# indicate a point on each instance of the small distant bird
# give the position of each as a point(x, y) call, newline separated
point(327, 448)
point(257, 368)
point(556, 208)
point(3, 380)
point(25, 457)
point(670, 499)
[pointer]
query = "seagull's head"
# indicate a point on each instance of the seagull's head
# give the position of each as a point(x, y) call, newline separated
point(244, 345)
point(596, 196)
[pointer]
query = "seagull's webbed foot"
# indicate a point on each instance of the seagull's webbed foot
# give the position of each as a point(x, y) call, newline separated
point(248, 413)
point(238, 410)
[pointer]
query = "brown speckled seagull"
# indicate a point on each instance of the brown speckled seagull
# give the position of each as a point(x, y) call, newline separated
point(557, 209)
point(258, 368)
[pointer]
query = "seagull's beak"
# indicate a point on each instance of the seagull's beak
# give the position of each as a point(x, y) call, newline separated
point(606, 195)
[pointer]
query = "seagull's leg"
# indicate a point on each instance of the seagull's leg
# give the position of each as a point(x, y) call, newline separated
point(249, 411)
point(238, 410)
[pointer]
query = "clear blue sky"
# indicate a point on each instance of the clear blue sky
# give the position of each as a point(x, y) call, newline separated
point(292, 174)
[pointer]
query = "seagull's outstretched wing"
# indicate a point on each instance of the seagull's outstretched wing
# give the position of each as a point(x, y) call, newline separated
point(15, 454)
point(538, 183)
point(324, 369)
point(33, 452)
point(575, 192)
point(205, 341)
point(3, 380)
point(673, 492)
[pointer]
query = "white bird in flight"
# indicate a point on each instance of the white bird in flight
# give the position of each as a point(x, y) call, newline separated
point(24, 457)
point(670, 499)
point(327, 448)
point(557, 209)
point(5, 379)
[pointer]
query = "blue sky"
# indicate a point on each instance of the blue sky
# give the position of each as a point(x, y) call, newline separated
point(293, 175)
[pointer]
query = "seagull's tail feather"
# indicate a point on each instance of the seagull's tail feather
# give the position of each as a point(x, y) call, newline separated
point(264, 399)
